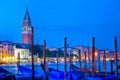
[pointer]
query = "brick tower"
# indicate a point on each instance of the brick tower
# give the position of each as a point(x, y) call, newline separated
point(26, 28)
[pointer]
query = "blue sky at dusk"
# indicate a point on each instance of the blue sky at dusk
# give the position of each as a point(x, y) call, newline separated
point(78, 20)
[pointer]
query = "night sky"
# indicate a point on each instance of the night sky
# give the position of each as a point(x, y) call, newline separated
point(78, 20)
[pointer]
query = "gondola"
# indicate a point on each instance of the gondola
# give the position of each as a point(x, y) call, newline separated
point(97, 75)
point(26, 74)
point(5, 75)
point(54, 74)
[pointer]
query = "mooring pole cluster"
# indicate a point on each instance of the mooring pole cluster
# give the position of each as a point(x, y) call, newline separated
point(87, 54)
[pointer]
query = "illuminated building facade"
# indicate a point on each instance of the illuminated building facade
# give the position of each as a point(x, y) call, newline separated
point(110, 55)
point(6, 50)
point(84, 49)
point(9, 51)
point(24, 52)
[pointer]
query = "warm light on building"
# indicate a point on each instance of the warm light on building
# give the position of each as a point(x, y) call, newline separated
point(24, 53)
point(4, 59)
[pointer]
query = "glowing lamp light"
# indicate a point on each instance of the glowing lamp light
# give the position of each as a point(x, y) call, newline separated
point(97, 71)
point(74, 57)
point(107, 59)
point(96, 54)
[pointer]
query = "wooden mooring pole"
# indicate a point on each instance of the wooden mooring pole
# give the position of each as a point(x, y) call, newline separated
point(93, 56)
point(44, 56)
point(116, 58)
point(79, 52)
point(99, 59)
point(44, 53)
point(57, 55)
point(18, 63)
point(85, 61)
point(111, 66)
point(65, 51)
point(104, 63)
point(32, 39)
point(70, 59)
point(88, 58)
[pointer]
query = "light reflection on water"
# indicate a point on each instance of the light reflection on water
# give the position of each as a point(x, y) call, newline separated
point(13, 68)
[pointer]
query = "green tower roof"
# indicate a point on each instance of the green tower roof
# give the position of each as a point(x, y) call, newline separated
point(27, 16)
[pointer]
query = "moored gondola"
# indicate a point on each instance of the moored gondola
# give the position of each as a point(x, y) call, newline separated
point(98, 76)
point(54, 74)
point(5, 75)
point(25, 73)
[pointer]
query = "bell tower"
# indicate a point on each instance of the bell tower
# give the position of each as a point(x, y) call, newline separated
point(26, 29)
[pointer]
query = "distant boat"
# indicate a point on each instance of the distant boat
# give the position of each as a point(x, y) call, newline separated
point(51, 61)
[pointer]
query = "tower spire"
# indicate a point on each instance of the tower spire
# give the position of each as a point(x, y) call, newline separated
point(27, 16)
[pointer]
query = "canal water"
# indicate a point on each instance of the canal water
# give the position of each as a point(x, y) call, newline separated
point(13, 68)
